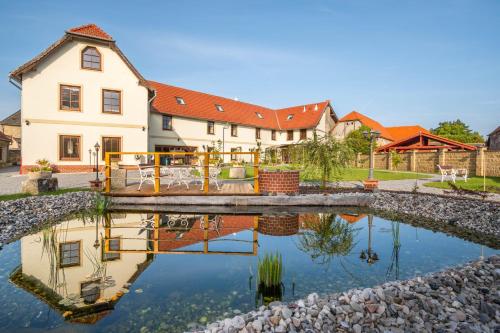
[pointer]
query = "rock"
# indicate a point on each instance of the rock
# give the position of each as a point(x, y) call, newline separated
point(238, 322)
point(356, 306)
point(312, 298)
point(356, 328)
point(286, 313)
point(257, 325)
point(296, 322)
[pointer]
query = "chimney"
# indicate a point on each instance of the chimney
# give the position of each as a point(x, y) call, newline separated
point(304, 110)
point(316, 107)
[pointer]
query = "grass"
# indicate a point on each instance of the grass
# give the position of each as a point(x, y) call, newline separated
point(473, 183)
point(15, 196)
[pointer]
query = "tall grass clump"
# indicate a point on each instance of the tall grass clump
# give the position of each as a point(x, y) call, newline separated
point(270, 270)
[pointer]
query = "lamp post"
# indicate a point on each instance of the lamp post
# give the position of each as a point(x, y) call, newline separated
point(370, 255)
point(96, 147)
point(90, 157)
point(371, 183)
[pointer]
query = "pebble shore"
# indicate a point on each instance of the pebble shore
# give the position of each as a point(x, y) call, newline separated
point(462, 299)
point(18, 217)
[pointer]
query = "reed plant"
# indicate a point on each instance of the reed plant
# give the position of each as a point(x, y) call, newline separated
point(270, 270)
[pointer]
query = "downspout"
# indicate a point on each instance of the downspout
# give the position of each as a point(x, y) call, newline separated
point(149, 117)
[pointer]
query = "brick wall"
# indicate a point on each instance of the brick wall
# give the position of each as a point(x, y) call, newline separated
point(426, 162)
point(279, 181)
point(282, 225)
point(64, 168)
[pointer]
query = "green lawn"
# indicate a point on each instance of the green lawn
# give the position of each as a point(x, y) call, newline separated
point(15, 196)
point(473, 183)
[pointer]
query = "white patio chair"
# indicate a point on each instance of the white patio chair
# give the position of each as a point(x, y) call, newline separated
point(445, 171)
point(147, 175)
point(213, 175)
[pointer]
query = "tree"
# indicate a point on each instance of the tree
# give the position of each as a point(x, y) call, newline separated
point(458, 131)
point(357, 141)
point(325, 156)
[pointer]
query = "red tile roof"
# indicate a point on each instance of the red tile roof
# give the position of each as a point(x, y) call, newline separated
point(200, 105)
point(90, 30)
point(402, 132)
point(374, 125)
point(425, 141)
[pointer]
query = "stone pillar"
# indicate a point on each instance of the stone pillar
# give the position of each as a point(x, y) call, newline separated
point(358, 159)
point(442, 156)
point(389, 161)
point(480, 161)
point(413, 161)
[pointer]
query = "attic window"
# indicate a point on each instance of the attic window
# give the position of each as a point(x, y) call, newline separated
point(91, 58)
point(219, 107)
point(290, 117)
point(259, 115)
point(180, 100)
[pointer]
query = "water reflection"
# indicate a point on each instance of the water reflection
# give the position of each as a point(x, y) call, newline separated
point(83, 268)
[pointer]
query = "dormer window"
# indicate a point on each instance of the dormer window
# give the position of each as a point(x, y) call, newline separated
point(180, 100)
point(91, 58)
point(259, 115)
point(290, 117)
point(219, 107)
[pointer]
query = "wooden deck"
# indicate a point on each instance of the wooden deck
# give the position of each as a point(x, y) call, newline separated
point(147, 190)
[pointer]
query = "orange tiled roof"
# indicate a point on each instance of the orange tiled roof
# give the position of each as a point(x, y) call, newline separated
point(90, 30)
point(200, 105)
point(374, 125)
point(402, 132)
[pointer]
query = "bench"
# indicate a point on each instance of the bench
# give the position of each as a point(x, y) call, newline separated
point(449, 171)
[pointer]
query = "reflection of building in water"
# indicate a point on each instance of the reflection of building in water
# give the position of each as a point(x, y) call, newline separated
point(176, 233)
point(65, 267)
point(352, 218)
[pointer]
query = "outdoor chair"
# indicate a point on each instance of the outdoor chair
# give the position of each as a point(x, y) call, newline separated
point(447, 170)
point(147, 174)
point(213, 175)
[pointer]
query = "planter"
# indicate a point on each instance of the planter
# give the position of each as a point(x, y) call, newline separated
point(279, 182)
point(237, 172)
point(96, 185)
point(370, 184)
point(33, 175)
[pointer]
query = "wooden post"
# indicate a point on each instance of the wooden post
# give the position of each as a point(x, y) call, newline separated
point(205, 234)
point(256, 158)
point(206, 165)
point(107, 160)
point(157, 172)
point(480, 161)
point(156, 233)
point(107, 231)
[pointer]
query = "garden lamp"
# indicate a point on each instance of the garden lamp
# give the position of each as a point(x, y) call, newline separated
point(96, 147)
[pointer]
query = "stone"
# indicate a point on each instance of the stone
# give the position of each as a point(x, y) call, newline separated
point(257, 325)
point(238, 322)
point(357, 328)
point(37, 186)
point(286, 312)
point(356, 306)
point(296, 322)
point(312, 298)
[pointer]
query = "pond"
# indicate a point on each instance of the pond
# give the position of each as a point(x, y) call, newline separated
point(172, 271)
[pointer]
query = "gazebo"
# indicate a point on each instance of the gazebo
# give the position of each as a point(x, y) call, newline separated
point(425, 141)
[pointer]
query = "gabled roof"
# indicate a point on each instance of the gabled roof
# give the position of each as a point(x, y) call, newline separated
point(497, 130)
point(402, 132)
point(422, 141)
point(87, 32)
point(90, 30)
point(367, 121)
point(200, 105)
point(12, 120)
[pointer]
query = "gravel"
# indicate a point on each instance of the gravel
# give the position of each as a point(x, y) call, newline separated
point(21, 216)
point(463, 299)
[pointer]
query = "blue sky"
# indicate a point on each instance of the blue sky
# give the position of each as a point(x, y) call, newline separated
point(399, 62)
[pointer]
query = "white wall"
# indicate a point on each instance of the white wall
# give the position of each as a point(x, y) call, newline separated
point(40, 105)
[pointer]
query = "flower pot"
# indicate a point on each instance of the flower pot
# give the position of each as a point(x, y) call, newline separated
point(237, 172)
point(370, 184)
point(39, 175)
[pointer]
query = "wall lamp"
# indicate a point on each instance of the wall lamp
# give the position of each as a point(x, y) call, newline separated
point(27, 122)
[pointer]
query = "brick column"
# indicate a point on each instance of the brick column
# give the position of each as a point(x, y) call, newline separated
point(480, 161)
point(413, 161)
point(442, 156)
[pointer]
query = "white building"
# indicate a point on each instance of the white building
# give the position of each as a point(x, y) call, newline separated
point(83, 90)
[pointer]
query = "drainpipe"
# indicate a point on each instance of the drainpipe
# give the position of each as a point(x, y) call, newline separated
point(19, 86)
point(149, 118)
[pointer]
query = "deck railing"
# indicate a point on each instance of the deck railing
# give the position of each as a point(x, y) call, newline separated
point(206, 158)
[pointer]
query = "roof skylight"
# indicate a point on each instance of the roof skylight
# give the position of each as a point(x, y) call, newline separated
point(290, 117)
point(259, 115)
point(219, 107)
point(180, 100)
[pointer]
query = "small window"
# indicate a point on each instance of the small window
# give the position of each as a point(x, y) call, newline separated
point(257, 133)
point(180, 101)
point(259, 115)
point(69, 148)
point(273, 135)
point(166, 123)
point(290, 117)
point(219, 107)
point(111, 145)
point(234, 130)
point(69, 254)
point(90, 291)
point(303, 134)
point(234, 157)
point(111, 101)
point(69, 98)
point(210, 127)
point(91, 58)
point(114, 245)
point(289, 135)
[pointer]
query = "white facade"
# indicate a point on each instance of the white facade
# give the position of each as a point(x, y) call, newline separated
point(43, 120)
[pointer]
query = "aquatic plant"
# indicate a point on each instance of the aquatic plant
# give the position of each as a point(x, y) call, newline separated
point(325, 237)
point(396, 246)
point(270, 270)
point(98, 208)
